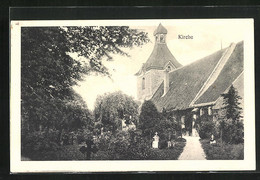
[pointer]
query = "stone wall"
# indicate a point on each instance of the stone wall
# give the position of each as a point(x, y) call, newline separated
point(153, 79)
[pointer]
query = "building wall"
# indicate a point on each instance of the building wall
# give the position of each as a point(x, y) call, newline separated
point(153, 79)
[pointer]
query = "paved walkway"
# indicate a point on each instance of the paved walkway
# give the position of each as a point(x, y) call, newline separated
point(192, 150)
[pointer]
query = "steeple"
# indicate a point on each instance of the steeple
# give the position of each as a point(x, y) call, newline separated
point(160, 34)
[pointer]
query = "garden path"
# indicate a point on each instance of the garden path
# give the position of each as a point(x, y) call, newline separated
point(193, 149)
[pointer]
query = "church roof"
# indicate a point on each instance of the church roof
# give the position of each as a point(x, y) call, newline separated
point(187, 81)
point(160, 30)
point(232, 69)
point(239, 85)
point(159, 57)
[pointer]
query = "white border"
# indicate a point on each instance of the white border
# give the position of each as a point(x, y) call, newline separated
point(17, 166)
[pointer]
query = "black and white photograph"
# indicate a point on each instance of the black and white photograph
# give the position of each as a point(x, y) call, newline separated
point(132, 95)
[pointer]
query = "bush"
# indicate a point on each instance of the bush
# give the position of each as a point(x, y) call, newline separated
point(130, 145)
point(223, 151)
point(163, 144)
point(124, 145)
point(233, 132)
point(103, 141)
point(206, 127)
point(168, 154)
point(82, 135)
point(41, 145)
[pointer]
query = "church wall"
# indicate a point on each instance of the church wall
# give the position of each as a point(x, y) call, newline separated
point(153, 79)
point(157, 76)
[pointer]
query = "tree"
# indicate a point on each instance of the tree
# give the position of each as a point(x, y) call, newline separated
point(232, 130)
point(149, 118)
point(112, 108)
point(49, 72)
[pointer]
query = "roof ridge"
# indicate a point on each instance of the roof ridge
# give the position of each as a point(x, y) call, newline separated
point(216, 71)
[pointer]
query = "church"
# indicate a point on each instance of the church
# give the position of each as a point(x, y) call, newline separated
point(192, 90)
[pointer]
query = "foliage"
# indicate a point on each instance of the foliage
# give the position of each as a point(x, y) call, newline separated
point(166, 128)
point(205, 126)
point(148, 119)
point(41, 144)
point(169, 125)
point(48, 73)
point(122, 145)
point(83, 134)
point(231, 104)
point(98, 42)
point(169, 154)
point(231, 124)
point(103, 141)
point(112, 108)
point(223, 151)
point(130, 145)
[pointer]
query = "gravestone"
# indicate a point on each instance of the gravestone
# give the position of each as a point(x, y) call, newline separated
point(212, 140)
point(155, 143)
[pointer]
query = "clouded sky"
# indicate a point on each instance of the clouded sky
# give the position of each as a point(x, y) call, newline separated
point(207, 38)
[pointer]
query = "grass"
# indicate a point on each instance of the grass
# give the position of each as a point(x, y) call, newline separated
point(222, 151)
point(154, 154)
point(71, 152)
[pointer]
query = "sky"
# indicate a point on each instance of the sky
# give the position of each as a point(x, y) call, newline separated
point(208, 36)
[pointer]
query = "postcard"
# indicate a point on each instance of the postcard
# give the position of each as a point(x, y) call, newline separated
point(132, 95)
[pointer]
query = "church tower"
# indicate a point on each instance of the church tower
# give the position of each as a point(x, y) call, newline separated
point(155, 70)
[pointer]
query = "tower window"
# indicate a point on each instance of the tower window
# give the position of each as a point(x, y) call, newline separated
point(162, 40)
point(143, 83)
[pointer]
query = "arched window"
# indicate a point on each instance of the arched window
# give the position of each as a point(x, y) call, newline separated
point(143, 83)
point(162, 39)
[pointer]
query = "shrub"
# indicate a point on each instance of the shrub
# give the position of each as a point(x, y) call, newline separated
point(41, 145)
point(103, 141)
point(123, 145)
point(163, 144)
point(148, 119)
point(222, 151)
point(232, 132)
point(82, 135)
point(206, 127)
point(168, 154)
